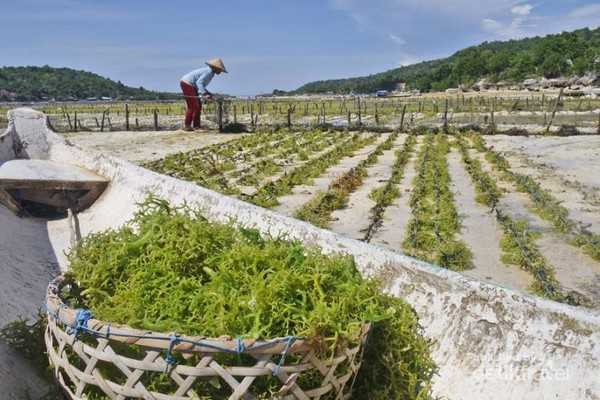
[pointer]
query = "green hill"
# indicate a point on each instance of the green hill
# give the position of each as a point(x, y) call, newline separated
point(45, 83)
point(564, 54)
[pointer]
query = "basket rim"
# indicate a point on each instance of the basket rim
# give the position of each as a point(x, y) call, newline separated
point(81, 321)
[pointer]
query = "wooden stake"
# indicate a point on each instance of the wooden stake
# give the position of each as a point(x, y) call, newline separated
point(492, 120)
point(103, 118)
point(543, 100)
point(445, 127)
point(69, 121)
point(359, 112)
point(402, 118)
point(220, 115)
point(289, 115)
point(554, 110)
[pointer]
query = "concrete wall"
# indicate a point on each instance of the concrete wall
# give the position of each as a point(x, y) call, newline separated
point(489, 342)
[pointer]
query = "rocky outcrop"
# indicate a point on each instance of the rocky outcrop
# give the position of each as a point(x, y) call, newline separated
point(586, 82)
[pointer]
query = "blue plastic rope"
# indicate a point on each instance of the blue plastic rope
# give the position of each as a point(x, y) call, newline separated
point(81, 319)
point(240, 346)
point(289, 341)
point(83, 316)
point(169, 358)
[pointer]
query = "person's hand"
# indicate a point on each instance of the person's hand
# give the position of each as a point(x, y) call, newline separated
point(208, 97)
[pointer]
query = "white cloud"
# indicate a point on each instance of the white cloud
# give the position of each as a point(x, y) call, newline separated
point(524, 22)
point(491, 25)
point(589, 11)
point(465, 9)
point(408, 59)
point(359, 17)
point(522, 9)
point(397, 39)
point(518, 24)
point(415, 23)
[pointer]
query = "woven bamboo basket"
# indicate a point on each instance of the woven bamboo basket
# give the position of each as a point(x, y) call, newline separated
point(81, 349)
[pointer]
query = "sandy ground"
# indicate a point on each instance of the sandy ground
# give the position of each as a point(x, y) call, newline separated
point(147, 146)
point(573, 268)
point(353, 220)
point(27, 264)
point(481, 232)
point(582, 204)
point(303, 193)
point(396, 216)
point(573, 158)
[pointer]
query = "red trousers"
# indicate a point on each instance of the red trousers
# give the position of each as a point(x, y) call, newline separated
point(194, 106)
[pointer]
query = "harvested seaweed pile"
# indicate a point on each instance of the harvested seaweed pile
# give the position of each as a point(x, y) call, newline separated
point(170, 269)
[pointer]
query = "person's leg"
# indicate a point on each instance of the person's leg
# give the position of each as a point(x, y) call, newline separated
point(191, 102)
point(198, 115)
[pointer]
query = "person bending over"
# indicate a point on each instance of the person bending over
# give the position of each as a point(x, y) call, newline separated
point(193, 86)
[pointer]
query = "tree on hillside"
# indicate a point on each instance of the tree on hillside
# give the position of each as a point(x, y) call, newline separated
point(563, 54)
point(554, 65)
point(42, 83)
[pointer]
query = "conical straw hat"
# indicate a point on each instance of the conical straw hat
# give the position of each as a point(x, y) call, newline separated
point(217, 63)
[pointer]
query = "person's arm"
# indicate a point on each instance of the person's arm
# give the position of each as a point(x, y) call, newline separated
point(203, 81)
point(200, 85)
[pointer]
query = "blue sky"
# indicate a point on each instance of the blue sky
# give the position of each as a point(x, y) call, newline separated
point(265, 44)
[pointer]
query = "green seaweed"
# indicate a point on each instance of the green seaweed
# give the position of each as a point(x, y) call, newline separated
point(432, 230)
point(318, 210)
point(267, 195)
point(171, 270)
point(518, 239)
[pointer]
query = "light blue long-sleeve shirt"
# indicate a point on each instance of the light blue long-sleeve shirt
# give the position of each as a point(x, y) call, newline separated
point(200, 78)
